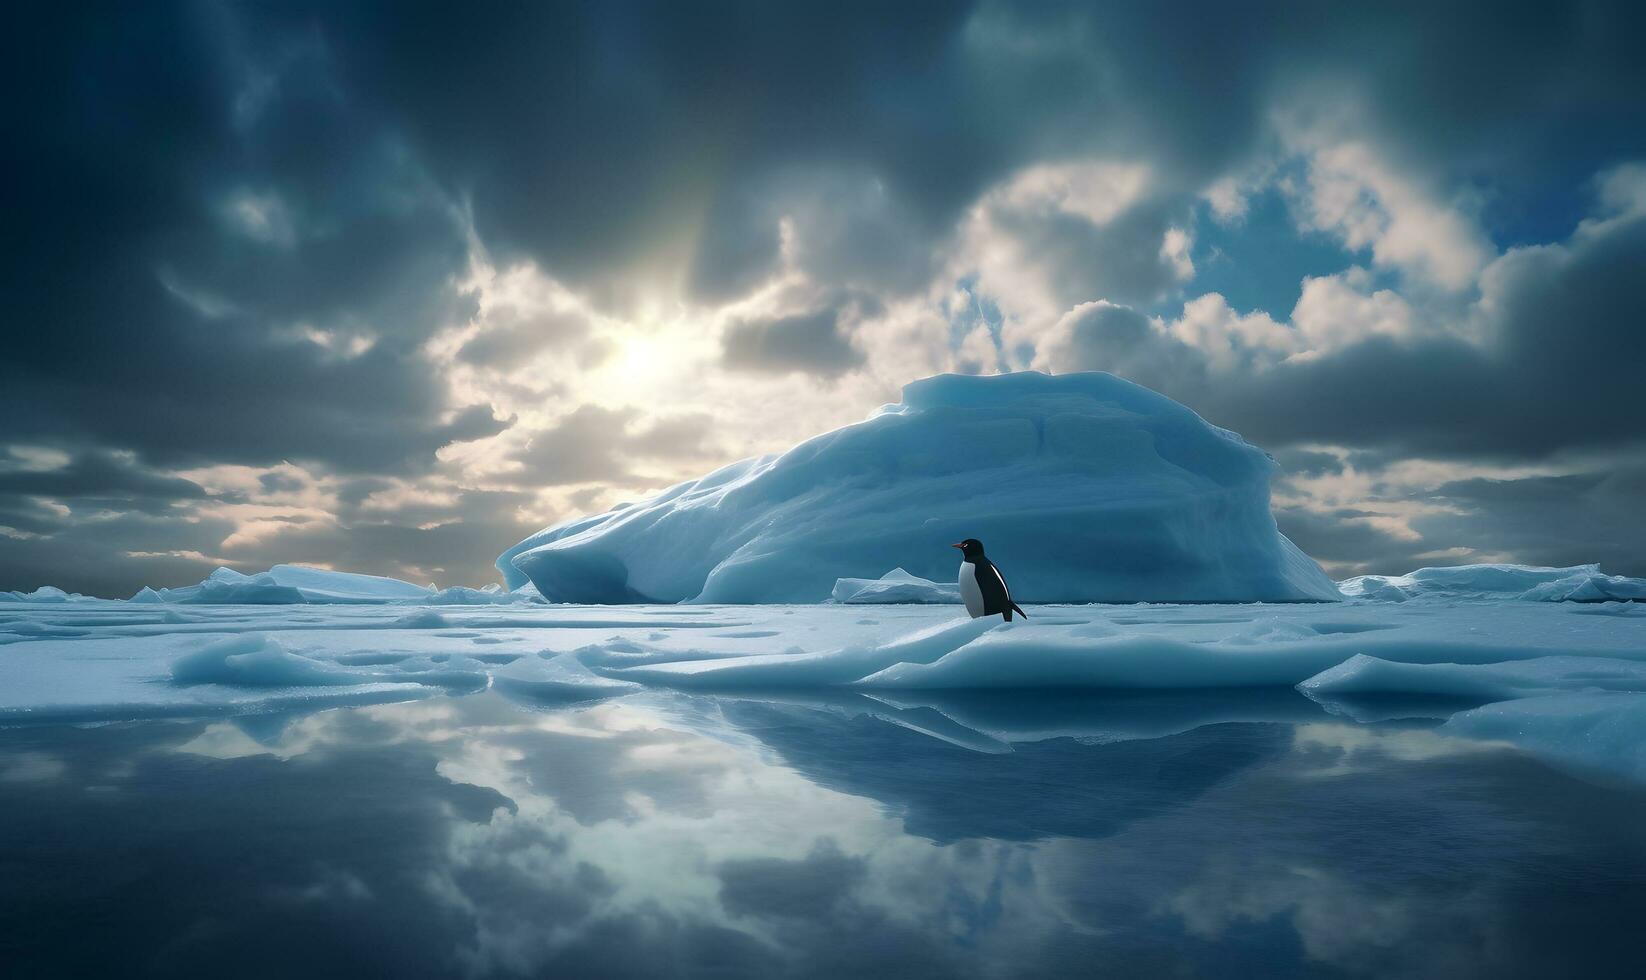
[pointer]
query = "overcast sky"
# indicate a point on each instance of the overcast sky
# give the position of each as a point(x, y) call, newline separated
point(384, 287)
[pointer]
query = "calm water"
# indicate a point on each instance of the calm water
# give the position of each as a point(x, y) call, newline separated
point(674, 836)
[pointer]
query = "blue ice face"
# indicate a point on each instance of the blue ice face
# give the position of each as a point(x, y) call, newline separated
point(1087, 488)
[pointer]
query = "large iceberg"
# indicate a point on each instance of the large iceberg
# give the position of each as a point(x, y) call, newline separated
point(1084, 487)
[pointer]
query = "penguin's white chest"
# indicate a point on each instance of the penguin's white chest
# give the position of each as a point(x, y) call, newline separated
point(969, 592)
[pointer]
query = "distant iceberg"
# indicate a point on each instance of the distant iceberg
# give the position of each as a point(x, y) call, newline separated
point(46, 593)
point(895, 586)
point(1084, 488)
point(1532, 583)
point(306, 585)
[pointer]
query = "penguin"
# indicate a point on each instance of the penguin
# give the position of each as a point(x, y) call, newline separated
point(981, 584)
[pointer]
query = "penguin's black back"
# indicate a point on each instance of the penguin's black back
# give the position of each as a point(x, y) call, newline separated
point(997, 599)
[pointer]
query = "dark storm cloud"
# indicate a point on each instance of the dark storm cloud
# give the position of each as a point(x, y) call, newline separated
point(98, 524)
point(811, 343)
point(1592, 516)
point(1119, 260)
point(280, 483)
point(1302, 462)
point(196, 206)
point(1120, 340)
point(234, 227)
point(108, 555)
point(609, 131)
point(98, 475)
point(453, 544)
point(612, 134)
point(1346, 544)
point(1558, 369)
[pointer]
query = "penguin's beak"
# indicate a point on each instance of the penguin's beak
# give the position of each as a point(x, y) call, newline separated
point(960, 546)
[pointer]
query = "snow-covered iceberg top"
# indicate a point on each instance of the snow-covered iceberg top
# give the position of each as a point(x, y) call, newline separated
point(1083, 487)
point(1576, 583)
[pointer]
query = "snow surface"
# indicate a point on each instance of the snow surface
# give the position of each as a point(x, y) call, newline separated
point(1564, 681)
point(1577, 583)
point(1083, 487)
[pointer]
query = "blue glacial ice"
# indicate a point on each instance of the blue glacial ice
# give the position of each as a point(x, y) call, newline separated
point(1593, 731)
point(1084, 487)
point(1362, 676)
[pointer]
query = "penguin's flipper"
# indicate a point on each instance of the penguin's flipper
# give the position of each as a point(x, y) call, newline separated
point(1020, 612)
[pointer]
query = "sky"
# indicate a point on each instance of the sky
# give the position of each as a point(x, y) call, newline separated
point(384, 287)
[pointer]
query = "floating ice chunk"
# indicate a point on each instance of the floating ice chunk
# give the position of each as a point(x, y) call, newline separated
point(1025, 656)
point(423, 619)
point(895, 586)
point(558, 679)
point(1605, 732)
point(1589, 587)
point(254, 660)
point(1576, 583)
point(1363, 676)
point(833, 667)
point(1084, 487)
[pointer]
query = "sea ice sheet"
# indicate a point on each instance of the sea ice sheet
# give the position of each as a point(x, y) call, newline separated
point(1565, 681)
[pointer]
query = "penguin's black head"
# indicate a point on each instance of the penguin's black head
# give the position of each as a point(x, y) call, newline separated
point(971, 548)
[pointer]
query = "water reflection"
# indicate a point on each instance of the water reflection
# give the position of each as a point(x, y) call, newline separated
point(774, 835)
